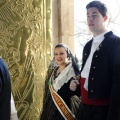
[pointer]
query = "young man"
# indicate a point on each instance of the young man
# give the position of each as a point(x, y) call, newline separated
point(100, 72)
point(5, 91)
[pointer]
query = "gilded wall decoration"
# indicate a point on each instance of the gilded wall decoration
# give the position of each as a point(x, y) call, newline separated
point(25, 45)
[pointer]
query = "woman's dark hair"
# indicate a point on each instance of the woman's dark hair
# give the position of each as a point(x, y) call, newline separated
point(69, 54)
point(99, 5)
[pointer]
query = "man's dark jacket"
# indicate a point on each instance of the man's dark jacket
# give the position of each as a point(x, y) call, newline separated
point(104, 76)
point(5, 92)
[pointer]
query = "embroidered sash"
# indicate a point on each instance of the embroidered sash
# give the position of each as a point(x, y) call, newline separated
point(61, 105)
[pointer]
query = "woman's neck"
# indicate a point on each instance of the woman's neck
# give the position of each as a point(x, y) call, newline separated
point(62, 67)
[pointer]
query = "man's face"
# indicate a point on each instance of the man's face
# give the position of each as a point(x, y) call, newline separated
point(96, 22)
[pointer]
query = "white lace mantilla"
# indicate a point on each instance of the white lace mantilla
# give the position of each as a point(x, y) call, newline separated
point(63, 77)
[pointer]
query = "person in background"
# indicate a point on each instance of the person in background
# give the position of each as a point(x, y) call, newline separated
point(100, 72)
point(57, 95)
point(5, 91)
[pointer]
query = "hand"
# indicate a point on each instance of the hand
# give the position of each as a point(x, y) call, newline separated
point(73, 85)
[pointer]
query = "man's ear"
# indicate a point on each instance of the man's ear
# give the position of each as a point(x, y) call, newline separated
point(105, 18)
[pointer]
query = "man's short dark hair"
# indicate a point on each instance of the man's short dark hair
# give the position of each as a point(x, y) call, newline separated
point(99, 5)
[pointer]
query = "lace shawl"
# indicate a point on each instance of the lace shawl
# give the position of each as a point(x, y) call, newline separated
point(63, 77)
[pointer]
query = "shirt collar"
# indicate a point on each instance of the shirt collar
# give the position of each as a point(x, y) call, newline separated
point(99, 37)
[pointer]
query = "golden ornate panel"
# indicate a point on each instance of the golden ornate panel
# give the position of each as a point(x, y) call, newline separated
point(25, 45)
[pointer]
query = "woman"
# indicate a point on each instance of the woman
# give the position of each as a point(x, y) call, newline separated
point(57, 96)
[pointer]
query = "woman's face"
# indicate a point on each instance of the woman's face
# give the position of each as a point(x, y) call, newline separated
point(60, 56)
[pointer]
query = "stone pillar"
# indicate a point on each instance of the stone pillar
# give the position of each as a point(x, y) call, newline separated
point(63, 22)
